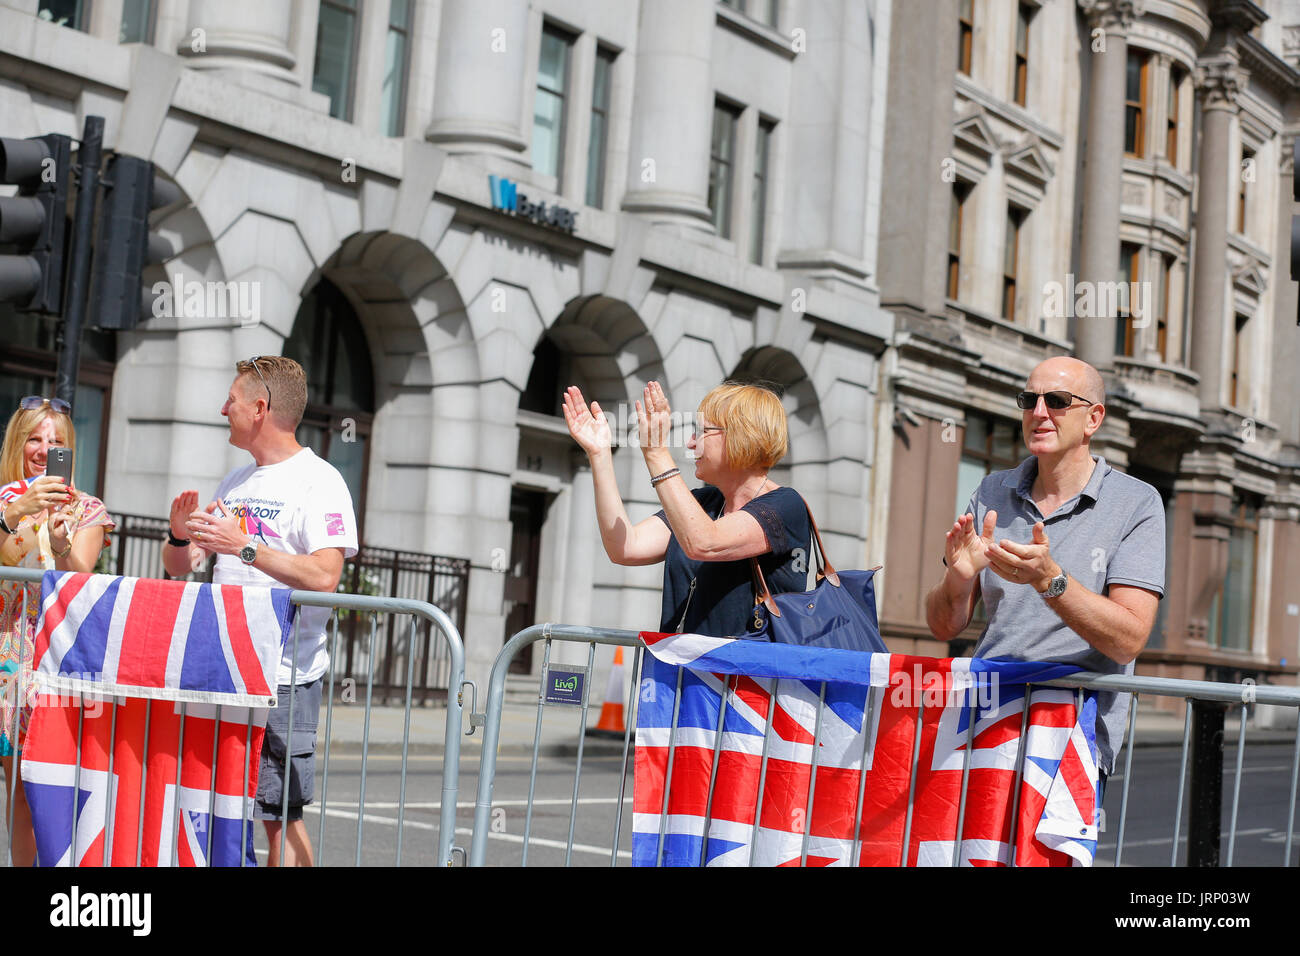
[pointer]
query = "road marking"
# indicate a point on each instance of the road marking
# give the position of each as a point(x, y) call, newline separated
point(1182, 839)
point(469, 804)
point(556, 844)
point(466, 831)
point(1227, 772)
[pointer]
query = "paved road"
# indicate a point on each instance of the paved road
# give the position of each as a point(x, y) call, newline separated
point(1153, 794)
point(548, 833)
point(1148, 829)
point(1147, 839)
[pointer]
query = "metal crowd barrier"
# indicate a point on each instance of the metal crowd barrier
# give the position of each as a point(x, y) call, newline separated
point(444, 851)
point(1206, 703)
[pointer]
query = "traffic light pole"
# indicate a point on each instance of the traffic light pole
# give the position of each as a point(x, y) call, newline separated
point(83, 238)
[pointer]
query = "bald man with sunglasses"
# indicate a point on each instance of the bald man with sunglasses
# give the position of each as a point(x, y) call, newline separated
point(1067, 553)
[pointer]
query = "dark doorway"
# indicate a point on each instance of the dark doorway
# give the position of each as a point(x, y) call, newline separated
point(527, 512)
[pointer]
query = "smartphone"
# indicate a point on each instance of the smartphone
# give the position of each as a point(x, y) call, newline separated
point(58, 464)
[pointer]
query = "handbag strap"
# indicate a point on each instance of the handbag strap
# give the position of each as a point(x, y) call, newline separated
point(825, 571)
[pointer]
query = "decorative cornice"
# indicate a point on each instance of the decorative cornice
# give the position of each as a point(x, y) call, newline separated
point(1241, 14)
point(1291, 44)
point(1112, 15)
point(1220, 81)
point(1267, 67)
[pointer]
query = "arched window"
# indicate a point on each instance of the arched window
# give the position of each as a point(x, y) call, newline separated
point(327, 340)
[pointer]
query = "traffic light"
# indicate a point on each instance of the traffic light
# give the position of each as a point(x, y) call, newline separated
point(132, 189)
point(34, 221)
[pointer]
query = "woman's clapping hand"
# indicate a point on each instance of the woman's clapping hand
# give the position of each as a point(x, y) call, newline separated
point(588, 427)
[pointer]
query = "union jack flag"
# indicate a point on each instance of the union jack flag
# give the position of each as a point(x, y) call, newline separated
point(15, 489)
point(143, 744)
point(863, 721)
point(171, 640)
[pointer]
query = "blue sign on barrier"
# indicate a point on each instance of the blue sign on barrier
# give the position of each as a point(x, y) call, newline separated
point(564, 685)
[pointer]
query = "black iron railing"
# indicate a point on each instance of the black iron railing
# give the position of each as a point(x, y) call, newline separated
point(135, 550)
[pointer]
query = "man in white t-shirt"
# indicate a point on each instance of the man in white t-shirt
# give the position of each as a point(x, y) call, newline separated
point(285, 519)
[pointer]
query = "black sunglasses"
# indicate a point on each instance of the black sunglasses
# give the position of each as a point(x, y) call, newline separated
point(253, 362)
point(1054, 400)
point(32, 402)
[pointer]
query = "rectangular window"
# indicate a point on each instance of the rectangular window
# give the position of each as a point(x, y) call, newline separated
point(1245, 173)
point(988, 445)
point(28, 367)
point(767, 11)
point(722, 151)
point(762, 156)
point(137, 22)
point(1162, 312)
point(65, 13)
point(1135, 97)
point(548, 107)
point(1130, 270)
point(336, 39)
point(1231, 611)
point(1171, 121)
point(598, 140)
point(1021, 81)
point(1011, 262)
point(1235, 394)
point(965, 34)
point(396, 59)
point(960, 192)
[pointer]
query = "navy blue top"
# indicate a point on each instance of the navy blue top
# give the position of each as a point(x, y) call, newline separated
point(723, 602)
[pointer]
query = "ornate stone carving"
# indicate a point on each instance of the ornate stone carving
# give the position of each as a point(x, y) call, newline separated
point(1219, 81)
point(1112, 14)
point(1291, 45)
point(1173, 203)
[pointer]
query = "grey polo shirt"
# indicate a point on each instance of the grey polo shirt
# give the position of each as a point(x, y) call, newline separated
point(1112, 532)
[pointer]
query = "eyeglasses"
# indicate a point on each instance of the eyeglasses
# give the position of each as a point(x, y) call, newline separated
point(32, 402)
point(253, 361)
point(707, 430)
point(1055, 400)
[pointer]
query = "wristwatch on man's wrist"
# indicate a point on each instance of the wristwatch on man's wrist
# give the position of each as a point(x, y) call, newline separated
point(1056, 587)
point(248, 553)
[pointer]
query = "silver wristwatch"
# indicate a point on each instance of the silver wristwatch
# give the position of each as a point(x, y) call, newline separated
point(248, 553)
point(1057, 586)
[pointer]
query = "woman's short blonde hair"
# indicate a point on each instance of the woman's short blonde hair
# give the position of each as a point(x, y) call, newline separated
point(21, 424)
point(756, 434)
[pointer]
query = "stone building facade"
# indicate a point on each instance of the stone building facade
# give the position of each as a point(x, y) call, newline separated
point(1072, 146)
point(340, 157)
point(892, 210)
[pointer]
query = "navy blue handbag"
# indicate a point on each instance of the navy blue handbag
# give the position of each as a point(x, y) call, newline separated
point(839, 612)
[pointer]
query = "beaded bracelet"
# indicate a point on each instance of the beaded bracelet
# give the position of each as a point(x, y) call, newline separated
point(671, 472)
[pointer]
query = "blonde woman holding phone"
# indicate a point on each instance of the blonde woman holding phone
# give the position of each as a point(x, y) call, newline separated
point(44, 523)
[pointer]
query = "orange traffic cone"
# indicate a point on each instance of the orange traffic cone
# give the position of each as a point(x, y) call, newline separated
point(611, 712)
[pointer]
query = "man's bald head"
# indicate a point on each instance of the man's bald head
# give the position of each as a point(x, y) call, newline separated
point(1071, 374)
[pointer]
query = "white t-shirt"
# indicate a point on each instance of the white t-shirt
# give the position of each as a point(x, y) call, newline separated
point(299, 505)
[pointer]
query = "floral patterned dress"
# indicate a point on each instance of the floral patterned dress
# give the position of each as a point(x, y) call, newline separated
point(20, 607)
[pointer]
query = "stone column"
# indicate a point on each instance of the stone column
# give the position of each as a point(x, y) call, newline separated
point(240, 36)
point(372, 55)
point(824, 223)
point(1103, 166)
point(106, 19)
point(1219, 80)
point(478, 95)
point(915, 202)
point(672, 113)
point(1282, 406)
